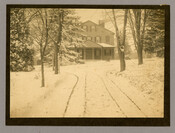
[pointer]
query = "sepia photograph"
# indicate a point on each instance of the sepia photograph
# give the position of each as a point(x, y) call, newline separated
point(88, 62)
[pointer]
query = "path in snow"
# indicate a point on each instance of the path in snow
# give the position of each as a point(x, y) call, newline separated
point(101, 97)
point(88, 90)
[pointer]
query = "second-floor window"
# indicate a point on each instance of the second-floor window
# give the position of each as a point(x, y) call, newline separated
point(84, 38)
point(93, 28)
point(89, 38)
point(108, 39)
point(85, 27)
point(98, 39)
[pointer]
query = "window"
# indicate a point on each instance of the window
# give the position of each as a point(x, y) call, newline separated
point(85, 27)
point(84, 38)
point(107, 39)
point(81, 37)
point(89, 38)
point(98, 39)
point(93, 28)
point(107, 52)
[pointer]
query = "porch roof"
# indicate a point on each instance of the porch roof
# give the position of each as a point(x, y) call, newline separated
point(90, 44)
point(104, 45)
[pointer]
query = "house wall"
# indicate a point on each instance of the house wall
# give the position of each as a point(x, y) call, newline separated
point(99, 31)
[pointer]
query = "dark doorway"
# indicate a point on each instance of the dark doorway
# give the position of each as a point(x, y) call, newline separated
point(97, 53)
point(88, 54)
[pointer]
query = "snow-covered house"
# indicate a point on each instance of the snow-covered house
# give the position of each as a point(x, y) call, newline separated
point(98, 42)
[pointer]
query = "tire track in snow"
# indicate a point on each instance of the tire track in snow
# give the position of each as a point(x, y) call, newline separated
point(85, 95)
point(112, 96)
point(126, 95)
point(67, 104)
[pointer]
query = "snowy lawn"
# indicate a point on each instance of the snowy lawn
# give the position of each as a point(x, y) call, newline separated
point(144, 84)
point(29, 99)
point(100, 90)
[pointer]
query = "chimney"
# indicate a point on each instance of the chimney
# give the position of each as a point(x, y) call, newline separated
point(102, 23)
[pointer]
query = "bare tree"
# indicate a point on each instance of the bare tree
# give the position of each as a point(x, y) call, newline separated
point(39, 33)
point(137, 20)
point(121, 41)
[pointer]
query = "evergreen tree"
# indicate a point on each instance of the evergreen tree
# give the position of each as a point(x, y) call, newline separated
point(70, 36)
point(21, 52)
point(154, 39)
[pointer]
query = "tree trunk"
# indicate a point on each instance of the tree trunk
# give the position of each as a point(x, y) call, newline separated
point(42, 72)
point(119, 45)
point(53, 61)
point(58, 63)
point(139, 33)
point(57, 49)
point(123, 65)
point(140, 55)
point(122, 60)
point(42, 66)
point(56, 59)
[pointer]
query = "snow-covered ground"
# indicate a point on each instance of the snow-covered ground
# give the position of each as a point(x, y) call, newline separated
point(93, 89)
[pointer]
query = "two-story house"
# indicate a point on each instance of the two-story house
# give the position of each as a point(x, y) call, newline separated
point(98, 42)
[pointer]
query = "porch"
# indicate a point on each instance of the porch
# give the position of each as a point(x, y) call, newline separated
point(96, 51)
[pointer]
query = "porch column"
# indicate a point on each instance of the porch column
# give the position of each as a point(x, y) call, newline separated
point(84, 54)
point(113, 53)
point(101, 53)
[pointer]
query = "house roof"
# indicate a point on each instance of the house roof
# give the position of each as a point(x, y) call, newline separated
point(87, 44)
point(90, 44)
point(97, 25)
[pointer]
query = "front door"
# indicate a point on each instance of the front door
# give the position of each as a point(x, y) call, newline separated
point(97, 53)
point(88, 54)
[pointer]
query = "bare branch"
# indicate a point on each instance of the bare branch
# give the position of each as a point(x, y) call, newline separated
point(132, 29)
point(110, 17)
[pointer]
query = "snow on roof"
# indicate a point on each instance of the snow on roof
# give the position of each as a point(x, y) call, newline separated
point(90, 44)
point(106, 45)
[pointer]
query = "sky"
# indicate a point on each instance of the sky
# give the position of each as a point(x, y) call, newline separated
point(90, 14)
